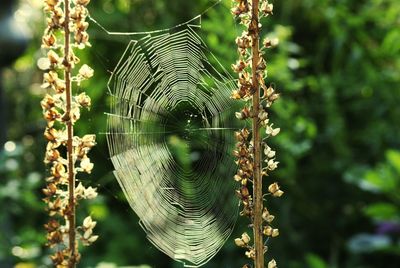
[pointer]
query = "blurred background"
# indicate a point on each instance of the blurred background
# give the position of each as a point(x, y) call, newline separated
point(338, 70)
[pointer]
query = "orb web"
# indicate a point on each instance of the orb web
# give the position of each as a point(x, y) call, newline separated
point(170, 137)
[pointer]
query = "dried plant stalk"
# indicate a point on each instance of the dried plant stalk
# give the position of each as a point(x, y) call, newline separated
point(257, 178)
point(251, 68)
point(70, 134)
point(61, 110)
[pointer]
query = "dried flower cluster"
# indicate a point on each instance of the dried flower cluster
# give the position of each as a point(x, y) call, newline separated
point(258, 98)
point(66, 154)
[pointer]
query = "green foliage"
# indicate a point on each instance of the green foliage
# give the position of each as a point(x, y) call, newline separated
point(383, 180)
point(381, 211)
point(313, 261)
point(337, 70)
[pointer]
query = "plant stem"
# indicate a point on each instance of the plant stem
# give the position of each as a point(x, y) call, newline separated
point(70, 133)
point(257, 184)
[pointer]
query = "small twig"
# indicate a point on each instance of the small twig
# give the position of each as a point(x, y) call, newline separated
point(70, 135)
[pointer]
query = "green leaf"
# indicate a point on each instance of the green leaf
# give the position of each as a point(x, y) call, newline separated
point(382, 211)
point(382, 178)
point(393, 158)
point(314, 261)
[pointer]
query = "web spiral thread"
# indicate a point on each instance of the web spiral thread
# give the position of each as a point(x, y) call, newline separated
point(170, 137)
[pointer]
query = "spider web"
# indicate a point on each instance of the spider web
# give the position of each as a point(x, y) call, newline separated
point(170, 137)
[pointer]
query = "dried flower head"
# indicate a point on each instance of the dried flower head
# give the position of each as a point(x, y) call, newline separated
point(86, 72)
point(274, 189)
point(251, 68)
point(61, 110)
point(272, 264)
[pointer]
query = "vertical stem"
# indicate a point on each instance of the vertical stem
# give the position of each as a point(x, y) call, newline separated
point(257, 187)
point(70, 133)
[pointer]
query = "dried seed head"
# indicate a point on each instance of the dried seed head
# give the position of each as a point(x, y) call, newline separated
point(269, 218)
point(275, 190)
point(251, 254)
point(278, 193)
point(244, 41)
point(245, 133)
point(50, 134)
point(58, 259)
point(83, 100)
point(237, 178)
point(271, 164)
point(239, 115)
point(47, 102)
point(275, 233)
point(54, 237)
point(246, 212)
point(51, 2)
point(239, 66)
point(87, 234)
point(86, 165)
point(269, 130)
point(43, 64)
point(52, 155)
point(262, 65)
point(82, 2)
point(240, 243)
point(245, 238)
point(267, 230)
point(269, 152)
point(56, 108)
point(57, 170)
point(52, 114)
point(244, 191)
point(50, 77)
point(273, 187)
point(266, 216)
point(78, 13)
point(267, 8)
point(81, 37)
point(90, 193)
point(53, 57)
point(272, 264)
point(81, 26)
point(263, 115)
point(74, 115)
point(86, 72)
point(88, 223)
point(59, 86)
point(240, 8)
point(89, 141)
point(49, 40)
point(52, 225)
point(50, 190)
point(235, 95)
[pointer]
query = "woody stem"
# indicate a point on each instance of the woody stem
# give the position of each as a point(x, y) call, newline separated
point(70, 133)
point(257, 177)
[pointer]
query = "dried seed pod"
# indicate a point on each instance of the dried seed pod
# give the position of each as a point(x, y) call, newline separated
point(274, 189)
point(267, 8)
point(240, 243)
point(272, 264)
point(49, 40)
point(82, 2)
point(86, 72)
point(239, 66)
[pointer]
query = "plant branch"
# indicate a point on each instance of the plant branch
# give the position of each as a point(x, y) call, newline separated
point(257, 186)
point(70, 133)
